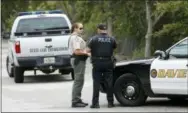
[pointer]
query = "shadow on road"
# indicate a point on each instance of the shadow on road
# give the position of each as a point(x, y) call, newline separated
point(31, 79)
point(47, 78)
point(170, 103)
point(161, 103)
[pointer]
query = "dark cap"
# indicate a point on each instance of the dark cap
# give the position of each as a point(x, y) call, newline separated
point(102, 26)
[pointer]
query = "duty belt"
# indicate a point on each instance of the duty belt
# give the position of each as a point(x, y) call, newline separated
point(80, 57)
point(102, 58)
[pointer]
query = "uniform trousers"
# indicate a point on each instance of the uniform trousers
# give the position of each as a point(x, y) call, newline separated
point(102, 68)
point(79, 72)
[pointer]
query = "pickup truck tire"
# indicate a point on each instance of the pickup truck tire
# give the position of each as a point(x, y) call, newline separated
point(128, 90)
point(18, 75)
point(67, 72)
point(9, 68)
point(72, 75)
point(47, 71)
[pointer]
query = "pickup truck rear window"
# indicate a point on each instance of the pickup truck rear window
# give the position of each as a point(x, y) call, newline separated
point(41, 24)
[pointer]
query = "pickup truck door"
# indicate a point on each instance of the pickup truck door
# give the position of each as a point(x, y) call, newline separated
point(170, 76)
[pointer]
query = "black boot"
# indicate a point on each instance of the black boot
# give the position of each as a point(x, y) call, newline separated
point(78, 104)
point(110, 104)
point(83, 102)
point(95, 106)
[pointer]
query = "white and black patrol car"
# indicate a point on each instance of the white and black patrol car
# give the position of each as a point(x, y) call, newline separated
point(39, 41)
point(166, 75)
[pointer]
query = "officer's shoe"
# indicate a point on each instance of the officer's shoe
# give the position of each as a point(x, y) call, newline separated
point(110, 105)
point(78, 104)
point(83, 102)
point(95, 106)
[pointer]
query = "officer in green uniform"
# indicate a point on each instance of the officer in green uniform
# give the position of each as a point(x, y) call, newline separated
point(77, 47)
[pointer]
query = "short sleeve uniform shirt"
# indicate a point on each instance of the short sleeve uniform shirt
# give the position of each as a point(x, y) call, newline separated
point(76, 42)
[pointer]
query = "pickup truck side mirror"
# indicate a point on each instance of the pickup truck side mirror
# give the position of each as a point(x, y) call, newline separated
point(160, 53)
point(6, 35)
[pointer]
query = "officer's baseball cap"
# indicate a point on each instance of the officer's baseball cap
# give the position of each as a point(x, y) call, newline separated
point(102, 26)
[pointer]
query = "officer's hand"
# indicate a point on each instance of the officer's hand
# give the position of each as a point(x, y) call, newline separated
point(88, 54)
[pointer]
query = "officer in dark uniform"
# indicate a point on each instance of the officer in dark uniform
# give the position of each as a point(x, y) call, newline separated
point(101, 47)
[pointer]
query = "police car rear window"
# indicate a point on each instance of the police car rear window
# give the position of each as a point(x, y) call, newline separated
point(41, 24)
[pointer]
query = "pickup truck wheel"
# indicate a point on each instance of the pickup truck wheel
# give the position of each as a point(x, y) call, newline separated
point(18, 75)
point(9, 68)
point(128, 90)
point(67, 72)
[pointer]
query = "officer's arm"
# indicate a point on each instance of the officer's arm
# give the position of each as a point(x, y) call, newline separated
point(114, 44)
point(80, 52)
point(88, 50)
point(89, 46)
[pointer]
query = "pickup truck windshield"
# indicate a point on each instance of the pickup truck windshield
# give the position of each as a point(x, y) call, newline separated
point(41, 24)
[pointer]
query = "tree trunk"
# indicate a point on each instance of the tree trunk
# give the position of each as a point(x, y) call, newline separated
point(65, 6)
point(73, 13)
point(149, 30)
point(109, 19)
point(109, 25)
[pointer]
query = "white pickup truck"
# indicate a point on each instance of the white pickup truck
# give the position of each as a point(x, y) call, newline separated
point(39, 41)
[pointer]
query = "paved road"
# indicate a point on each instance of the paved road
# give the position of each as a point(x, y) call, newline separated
point(52, 93)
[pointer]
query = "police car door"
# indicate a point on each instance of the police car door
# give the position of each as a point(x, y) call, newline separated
point(170, 76)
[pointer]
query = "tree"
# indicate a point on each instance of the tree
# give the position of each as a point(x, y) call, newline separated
point(149, 30)
point(9, 9)
point(164, 20)
point(176, 27)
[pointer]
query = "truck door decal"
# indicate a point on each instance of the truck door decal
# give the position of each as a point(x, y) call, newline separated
point(169, 73)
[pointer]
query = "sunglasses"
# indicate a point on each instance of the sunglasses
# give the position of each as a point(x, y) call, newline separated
point(81, 28)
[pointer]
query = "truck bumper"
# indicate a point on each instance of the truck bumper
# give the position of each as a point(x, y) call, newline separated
point(61, 62)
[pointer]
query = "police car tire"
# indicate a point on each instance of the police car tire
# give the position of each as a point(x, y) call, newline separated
point(18, 75)
point(11, 74)
point(119, 95)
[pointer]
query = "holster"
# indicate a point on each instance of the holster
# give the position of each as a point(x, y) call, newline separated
point(80, 57)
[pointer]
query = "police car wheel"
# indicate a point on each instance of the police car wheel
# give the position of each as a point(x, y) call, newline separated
point(18, 75)
point(9, 68)
point(128, 90)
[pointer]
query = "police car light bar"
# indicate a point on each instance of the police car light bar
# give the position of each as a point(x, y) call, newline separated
point(40, 12)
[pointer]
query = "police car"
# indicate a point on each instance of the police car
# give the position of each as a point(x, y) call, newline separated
point(166, 75)
point(39, 41)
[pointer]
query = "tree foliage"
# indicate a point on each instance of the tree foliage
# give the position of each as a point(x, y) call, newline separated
point(125, 19)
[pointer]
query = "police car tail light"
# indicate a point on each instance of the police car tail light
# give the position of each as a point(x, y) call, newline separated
point(17, 47)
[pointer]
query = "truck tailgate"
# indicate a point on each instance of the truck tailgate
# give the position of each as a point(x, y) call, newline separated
point(44, 46)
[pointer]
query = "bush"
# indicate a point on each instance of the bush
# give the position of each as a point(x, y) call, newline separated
point(138, 53)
